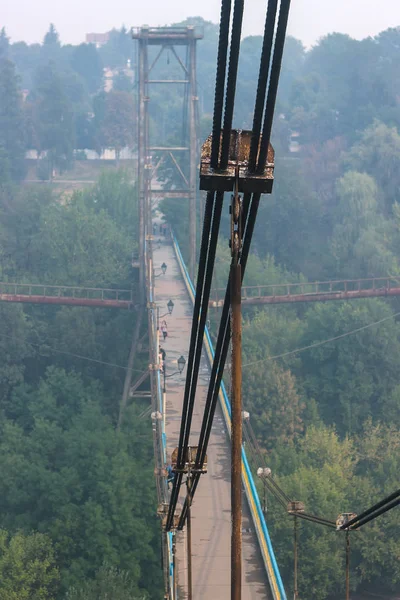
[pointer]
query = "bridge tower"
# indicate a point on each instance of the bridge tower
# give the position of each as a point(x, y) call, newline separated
point(181, 158)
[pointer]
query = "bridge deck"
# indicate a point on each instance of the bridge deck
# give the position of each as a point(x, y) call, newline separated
point(211, 507)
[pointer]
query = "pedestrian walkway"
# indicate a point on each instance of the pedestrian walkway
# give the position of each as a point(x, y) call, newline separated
point(211, 516)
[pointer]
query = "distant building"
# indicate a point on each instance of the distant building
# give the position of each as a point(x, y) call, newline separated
point(294, 143)
point(98, 39)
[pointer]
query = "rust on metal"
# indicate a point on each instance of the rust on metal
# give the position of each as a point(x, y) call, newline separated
point(239, 151)
point(321, 297)
point(296, 542)
point(236, 393)
point(36, 293)
point(236, 437)
point(189, 536)
point(93, 302)
point(175, 521)
point(190, 459)
point(166, 35)
point(347, 565)
point(344, 518)
point(162, 509)
point(294, 506)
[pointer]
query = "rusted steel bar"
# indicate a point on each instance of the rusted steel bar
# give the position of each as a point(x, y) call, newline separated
point(67, 300)
point(322, 297)
point(347, 565)
point(236, 463)
point(189, 539)
point(318, 286)
point(295, 526)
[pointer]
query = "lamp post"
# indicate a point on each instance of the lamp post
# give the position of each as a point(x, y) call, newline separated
point(263, 473)
point(181, 366)
point(170, 306)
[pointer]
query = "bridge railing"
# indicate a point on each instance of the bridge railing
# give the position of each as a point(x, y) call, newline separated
point(312, 287)
point(65, 291)
point(159, 406)
point(257, 514)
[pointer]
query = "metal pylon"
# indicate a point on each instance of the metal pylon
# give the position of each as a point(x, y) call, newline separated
point(182, 159)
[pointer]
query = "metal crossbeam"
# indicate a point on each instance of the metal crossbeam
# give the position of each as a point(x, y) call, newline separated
point(319, 291)
point(34, 293)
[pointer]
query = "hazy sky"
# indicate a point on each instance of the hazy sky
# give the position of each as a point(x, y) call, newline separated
point(29, 19)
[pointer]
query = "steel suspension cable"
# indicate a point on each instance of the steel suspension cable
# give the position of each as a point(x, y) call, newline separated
point(220, 80)
point(232, 78)
point(262, 81)
point(372, 509)
point(201, 292)
point(277, 491)
point(250, 208)
point(253, 459)
point(193, 339)
point(203, 288)
point(377, 513)
point(201, 301)
point(273, 83)
point(314, 519)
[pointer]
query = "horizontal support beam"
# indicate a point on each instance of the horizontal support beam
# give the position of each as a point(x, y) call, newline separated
point(322, 297)
point(36, 293)
point(92, 302)
point(170, 194)
point(167, 81)
point(168, 149)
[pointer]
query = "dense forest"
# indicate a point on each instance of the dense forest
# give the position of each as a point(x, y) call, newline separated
point(77, 499)
point(320, 381)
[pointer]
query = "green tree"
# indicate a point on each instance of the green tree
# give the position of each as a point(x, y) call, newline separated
point(14, 349)
point(109, 582)
point(78, 244)
point(86, 61)
point(54, 118)
point(28, 569)
point(356, 211)
point(119, 125)
point(67, 473)
point(12, 142)
point(21, 220)
point(274, 404)
point(352, 378)
point(51, 38)
point(319, 471)
point(4, 43)
point(378, 154)
point(122, 83)
point(123, 207)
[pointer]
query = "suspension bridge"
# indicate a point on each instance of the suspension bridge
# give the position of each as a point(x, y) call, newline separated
point(215, 543)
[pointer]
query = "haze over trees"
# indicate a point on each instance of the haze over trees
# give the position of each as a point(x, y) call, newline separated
point(327, 417)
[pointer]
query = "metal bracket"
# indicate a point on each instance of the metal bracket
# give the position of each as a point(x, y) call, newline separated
point(295, 507)
point(239, 153)
point(190, 461)
point(344, 518)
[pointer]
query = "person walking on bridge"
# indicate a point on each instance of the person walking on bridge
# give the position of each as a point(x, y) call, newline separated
point(170, 475)
point(164, 330)
point(161, 358)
